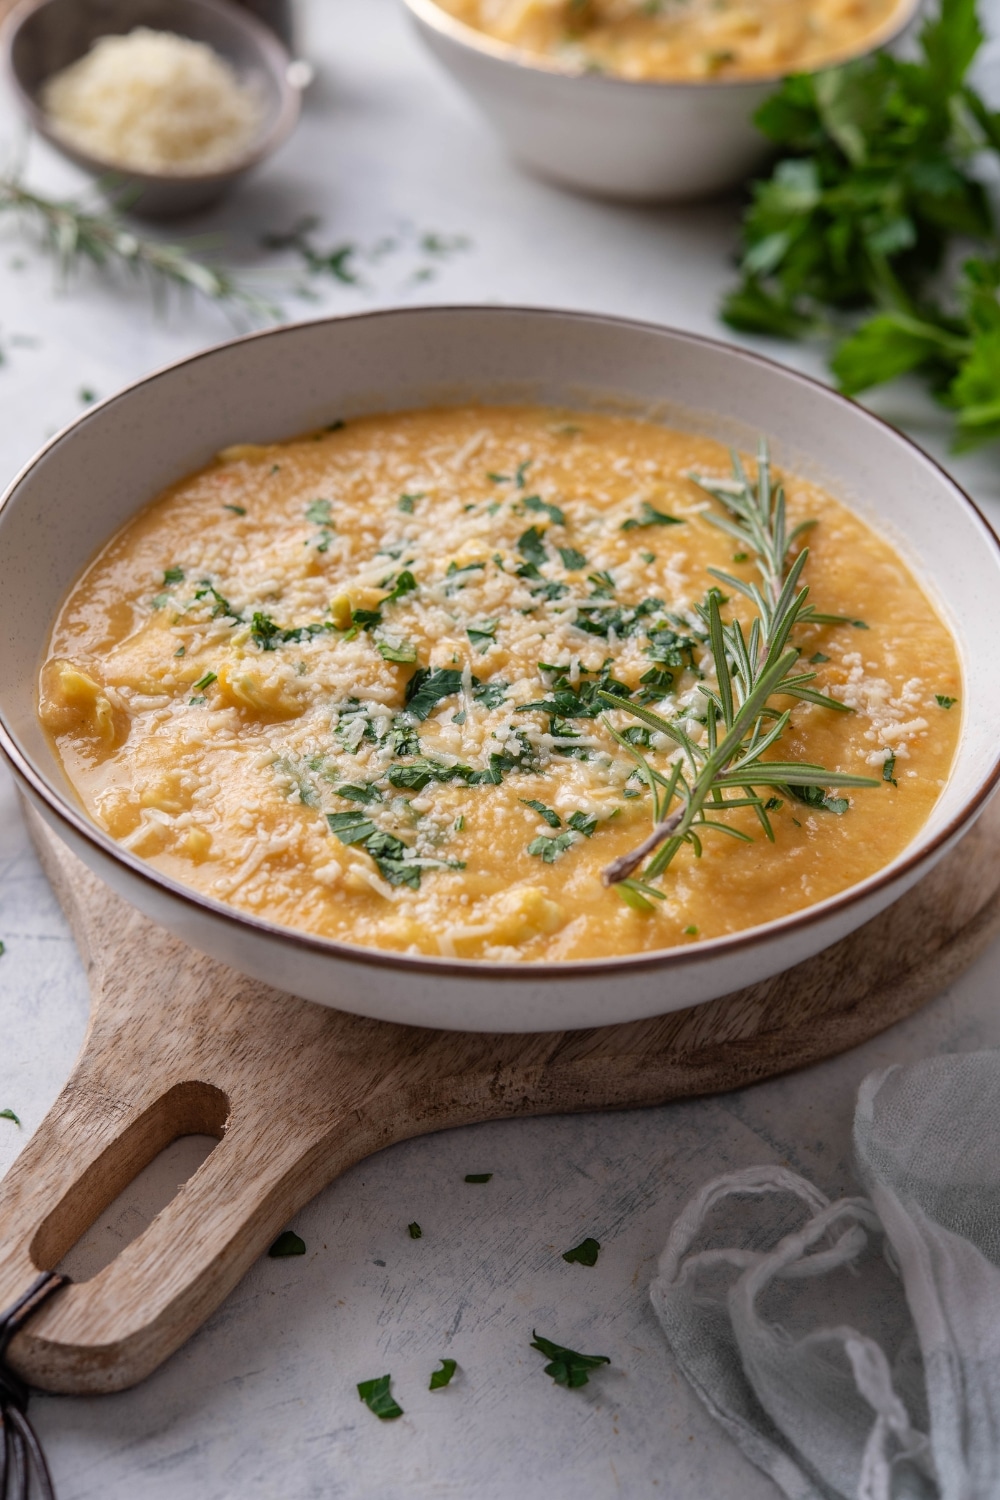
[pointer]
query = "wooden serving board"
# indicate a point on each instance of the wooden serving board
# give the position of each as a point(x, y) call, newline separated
point(296, 1093)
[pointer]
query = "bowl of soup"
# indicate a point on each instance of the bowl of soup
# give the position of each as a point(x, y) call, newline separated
point(642, 101)
point(361, 654)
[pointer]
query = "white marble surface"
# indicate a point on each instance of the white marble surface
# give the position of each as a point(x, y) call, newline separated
point(262, 1402)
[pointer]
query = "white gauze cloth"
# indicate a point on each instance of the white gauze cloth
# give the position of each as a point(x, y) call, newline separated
point(852, 1349)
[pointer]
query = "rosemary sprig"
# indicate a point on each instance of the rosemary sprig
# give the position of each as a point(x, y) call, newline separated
point(711, 779)
point(74, 233)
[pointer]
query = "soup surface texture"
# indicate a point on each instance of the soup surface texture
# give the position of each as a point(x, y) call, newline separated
point(346, 684)
point(682, 39)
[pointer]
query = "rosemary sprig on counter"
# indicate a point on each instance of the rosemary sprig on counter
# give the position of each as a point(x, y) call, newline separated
point(75, 234)
point(726, 771)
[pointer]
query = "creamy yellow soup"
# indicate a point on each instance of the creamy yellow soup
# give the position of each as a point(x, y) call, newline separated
point(682, 39)
point(348, 683)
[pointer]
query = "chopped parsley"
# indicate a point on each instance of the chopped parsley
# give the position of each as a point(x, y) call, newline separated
point(366, 794)
point(943, 701)
point(552, 818)
point(814, 797)
point(456, 578)
point(531, 545)
point(419, 773)
point(889, 769)
point(584, 1254)
point(398, 651)
point(8, 1114)
point(549, 849)
point(406, 503)
point(536, 503)
point(206, 681)
point(405, 584)
point(237, 510)
point(220, 605)
point(584, 823)
point(566, 1366)
point(318, 511)
point(378, 1398)
point(483, 634)
point(817, 659)
point(650, 516)
point(351, 827)
point(489, 694)
point(428, 687)
point(441, 1378)
point(414, 1231)
point(478, 1176)
point(287, 1244)
point(572, 560)
point(522, 469)
point(173, 575)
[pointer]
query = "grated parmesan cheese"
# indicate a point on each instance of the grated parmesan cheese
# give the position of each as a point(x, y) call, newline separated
point(156, 102)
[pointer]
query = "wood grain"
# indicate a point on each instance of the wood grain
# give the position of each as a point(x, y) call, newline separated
point(296, 1093)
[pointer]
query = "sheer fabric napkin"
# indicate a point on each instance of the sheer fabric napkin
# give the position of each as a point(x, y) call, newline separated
point(852, 1349)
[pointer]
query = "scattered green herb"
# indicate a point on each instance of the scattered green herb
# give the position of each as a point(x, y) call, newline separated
point(552, 818)
point(944, 702)
point(649, 516)
point(522, 470)
point(173, 575)
point(583, 823)
point(531, 546)
point(889, 769)
point(76, 235)
point(8, 1114)
point(206, 681)
point(536, 503)
point(548, 850)
point(441, 1378)
point(318, 511)
point(366, 794)
point(414, 1231)
point(566, 1367)
point(584, 1254)
point(407, 502)
point(817, 658)
point(287, 1244)
point(572, 560)
point(478, 1176)
point(237, 510)
point(483, 634)
point(398, 651)
point(691, 931)
point(428, 687)
point(378, 1398)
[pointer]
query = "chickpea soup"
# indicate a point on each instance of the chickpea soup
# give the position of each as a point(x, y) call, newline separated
point(682, 39)
point(448, 682)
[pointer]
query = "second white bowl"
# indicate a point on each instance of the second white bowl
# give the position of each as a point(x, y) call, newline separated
point(613, 137)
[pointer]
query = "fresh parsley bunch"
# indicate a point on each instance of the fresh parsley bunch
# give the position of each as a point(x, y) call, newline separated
point(877, 185)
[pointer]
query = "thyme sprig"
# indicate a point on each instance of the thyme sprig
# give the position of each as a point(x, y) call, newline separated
point(711, 779)
point(76, 234)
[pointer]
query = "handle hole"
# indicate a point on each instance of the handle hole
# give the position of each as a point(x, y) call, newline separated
point(132, 1180)
point(136, 1207)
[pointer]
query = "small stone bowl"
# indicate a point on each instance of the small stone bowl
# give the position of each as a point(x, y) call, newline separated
point(41, 37)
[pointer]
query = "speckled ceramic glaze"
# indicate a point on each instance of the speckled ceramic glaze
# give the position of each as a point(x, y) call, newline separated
point(42, 37)
point(93, 476)
point(613, 137)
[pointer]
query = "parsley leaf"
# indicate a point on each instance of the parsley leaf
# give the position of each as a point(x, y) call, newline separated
point(405, 584)
point(366, 794)
point(478, 1176)
point(8, 1114)
point(441, 1378)
point(572, 560)
point(398, 651)
point(378, 1398)
point(649, 516)
point(584, 823)
point(814, 797)
point(482, 635)
point(287, 1244)
point(351, 827)
point(414, 1231)
point(531, 546)
point(584, 1254)
point(318, 511)
point(944, 702)
point(490, 694)
point(889, 770)
point(548, 850)
point(566, 1367)
point(536, 503)
point(173, 575)
point(406, 503)
point(552, 818)
point(428, 686)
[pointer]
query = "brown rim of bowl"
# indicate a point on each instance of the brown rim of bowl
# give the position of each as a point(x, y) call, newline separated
point(278, 60)
point(536, 62)
point(541, 972)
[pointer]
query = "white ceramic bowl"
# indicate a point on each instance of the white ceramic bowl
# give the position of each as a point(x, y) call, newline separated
point(614, 137)
point(91, 478)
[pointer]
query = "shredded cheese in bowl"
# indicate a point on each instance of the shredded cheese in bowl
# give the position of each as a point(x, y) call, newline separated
point(155, 102)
